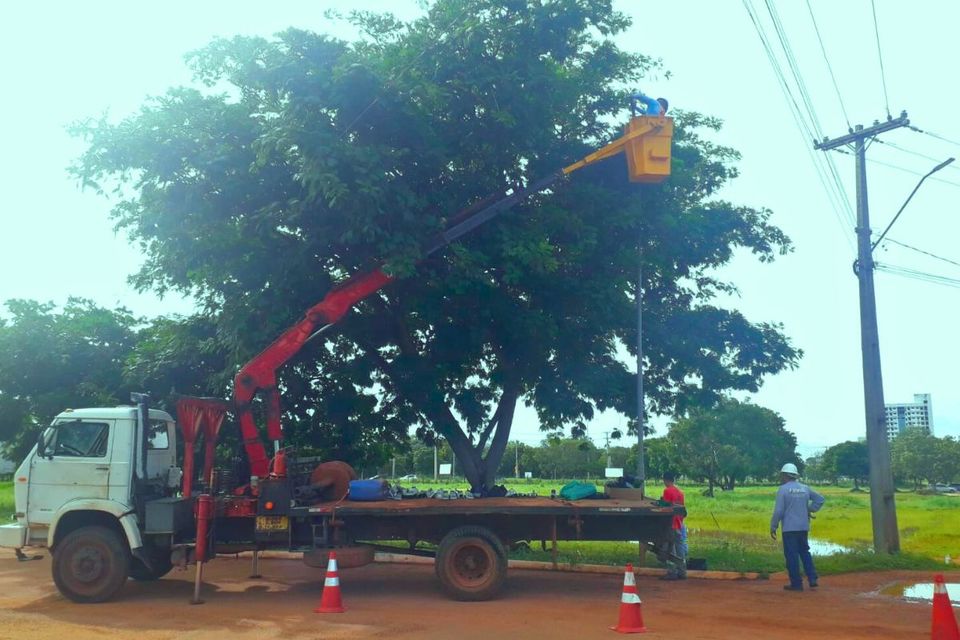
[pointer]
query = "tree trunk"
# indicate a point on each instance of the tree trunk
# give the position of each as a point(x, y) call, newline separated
point(508, 403)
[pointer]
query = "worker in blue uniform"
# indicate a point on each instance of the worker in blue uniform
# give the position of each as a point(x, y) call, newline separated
point(650, 106)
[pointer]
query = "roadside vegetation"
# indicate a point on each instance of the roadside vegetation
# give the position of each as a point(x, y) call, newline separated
point(6, 501)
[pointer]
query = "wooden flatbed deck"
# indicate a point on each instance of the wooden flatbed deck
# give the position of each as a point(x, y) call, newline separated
point(483, 506)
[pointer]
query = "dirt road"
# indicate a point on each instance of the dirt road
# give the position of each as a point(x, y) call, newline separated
point(397, 601)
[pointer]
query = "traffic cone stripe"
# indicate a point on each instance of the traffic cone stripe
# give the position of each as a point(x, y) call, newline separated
point(630, 598)
point(332, 582)
point(629, 580)
point(939, 587)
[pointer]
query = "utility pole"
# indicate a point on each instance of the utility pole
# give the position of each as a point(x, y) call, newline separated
point(641, 469)
point(516, 459)
point(435, 468)
point(606, 440)
point(886, 536)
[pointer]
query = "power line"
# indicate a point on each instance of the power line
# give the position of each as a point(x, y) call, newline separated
point(883, 75)
point(807, 102)
point(915, 153)
point(933, 135)
point(837, 198)
point(794, 67)
point(926, 253)
point(899, 168)
point(923, 276)
point(823, 49)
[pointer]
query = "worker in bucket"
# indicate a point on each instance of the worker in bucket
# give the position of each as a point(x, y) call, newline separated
point(677, 564)
point(792, 514)
point(647, 105)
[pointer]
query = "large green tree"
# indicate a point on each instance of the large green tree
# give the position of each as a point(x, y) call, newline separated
point(309, 158)
point(53, 359)
point(850, 459)
point(726, 443)
point(917, 456)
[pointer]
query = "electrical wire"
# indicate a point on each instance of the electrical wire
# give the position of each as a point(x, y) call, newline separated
point(794, 67)
point(808, 103)
point(933, 135)
point(926, 253)
point(915, 153)
point(883, 75)
point(899, 168)
point(923, 276)
point(826, 59)
point(839, 203)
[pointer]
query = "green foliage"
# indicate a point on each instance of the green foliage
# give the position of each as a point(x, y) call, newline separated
point(56, 359)
point(326, 157)
point(566, 458)
point(918, 456)
point(6, 502)
point(849, 459)
point(725, 444)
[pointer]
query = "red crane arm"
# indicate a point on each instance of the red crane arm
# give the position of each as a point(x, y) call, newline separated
point(260, 373)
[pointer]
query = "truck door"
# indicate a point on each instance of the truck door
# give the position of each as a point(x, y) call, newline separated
point(75, 463)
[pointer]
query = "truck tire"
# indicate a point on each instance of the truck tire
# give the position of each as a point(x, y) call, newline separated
point(91, 564)
point(471, 563)
point(159, 560)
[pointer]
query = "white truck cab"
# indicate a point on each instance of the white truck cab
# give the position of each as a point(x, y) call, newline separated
point(82, 491)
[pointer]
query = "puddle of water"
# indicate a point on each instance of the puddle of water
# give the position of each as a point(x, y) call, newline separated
point(825, 548)
point(920, 591)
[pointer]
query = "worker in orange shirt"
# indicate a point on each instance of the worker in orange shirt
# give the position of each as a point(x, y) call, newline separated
point(677, 564)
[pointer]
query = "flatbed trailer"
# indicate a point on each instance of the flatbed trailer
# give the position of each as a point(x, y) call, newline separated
point(468, 537)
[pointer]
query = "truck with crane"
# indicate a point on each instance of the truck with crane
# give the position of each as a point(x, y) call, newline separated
point(103, 491)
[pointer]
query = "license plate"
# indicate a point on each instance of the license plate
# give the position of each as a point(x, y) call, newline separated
point(272, 523)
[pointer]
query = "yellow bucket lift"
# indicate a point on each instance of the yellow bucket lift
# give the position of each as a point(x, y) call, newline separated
point(646, 142)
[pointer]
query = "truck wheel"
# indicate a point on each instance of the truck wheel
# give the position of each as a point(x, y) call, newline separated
point(91, 564)
point(471, 563)
point(159, 559)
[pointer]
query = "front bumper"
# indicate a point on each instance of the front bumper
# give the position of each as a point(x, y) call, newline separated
point(13, 535)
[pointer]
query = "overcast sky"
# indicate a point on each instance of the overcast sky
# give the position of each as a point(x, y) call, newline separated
point(67, 61)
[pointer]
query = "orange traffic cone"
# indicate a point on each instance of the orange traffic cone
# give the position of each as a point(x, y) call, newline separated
point(631, 619)
point(944, 625)
point(330, 600)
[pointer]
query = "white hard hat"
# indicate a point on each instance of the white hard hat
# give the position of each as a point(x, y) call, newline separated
point(790, 468)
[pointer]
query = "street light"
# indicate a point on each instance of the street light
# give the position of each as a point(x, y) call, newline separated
point(915, 189)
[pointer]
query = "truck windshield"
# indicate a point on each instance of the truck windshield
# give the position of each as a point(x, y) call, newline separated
point(79, 438)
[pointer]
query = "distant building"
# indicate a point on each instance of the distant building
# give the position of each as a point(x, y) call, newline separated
point(908, 415)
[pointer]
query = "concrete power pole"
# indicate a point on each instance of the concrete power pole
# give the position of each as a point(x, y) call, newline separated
point(641, 467)
point(886, 536)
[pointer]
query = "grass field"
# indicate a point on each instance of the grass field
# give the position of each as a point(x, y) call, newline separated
point(731, 529)
point(6, 501)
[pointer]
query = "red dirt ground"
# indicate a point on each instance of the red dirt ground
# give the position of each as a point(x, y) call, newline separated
point(404, 601)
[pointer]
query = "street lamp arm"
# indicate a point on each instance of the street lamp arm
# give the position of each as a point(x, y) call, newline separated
point(915, 189)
